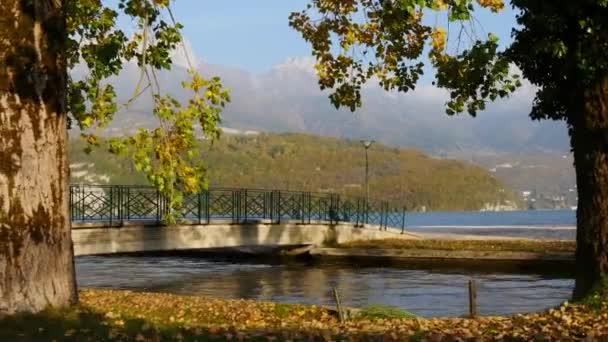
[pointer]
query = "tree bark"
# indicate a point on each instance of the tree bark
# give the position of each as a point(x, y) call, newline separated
point(589, 139)
point(36, 254)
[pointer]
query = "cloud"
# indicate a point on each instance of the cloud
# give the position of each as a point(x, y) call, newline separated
point(183, 56)
point(296, 64)
point(287, 98)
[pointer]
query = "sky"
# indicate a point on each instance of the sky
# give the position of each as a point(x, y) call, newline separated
point(250, 45)
point(255, 35)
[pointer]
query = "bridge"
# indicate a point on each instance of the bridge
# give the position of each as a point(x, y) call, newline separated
point(110, 219)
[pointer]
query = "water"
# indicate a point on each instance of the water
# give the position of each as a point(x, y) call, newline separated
point(428, 293)
point(544, 224)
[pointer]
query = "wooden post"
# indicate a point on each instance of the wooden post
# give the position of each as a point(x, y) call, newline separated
point(339, 305)
point(472, 299)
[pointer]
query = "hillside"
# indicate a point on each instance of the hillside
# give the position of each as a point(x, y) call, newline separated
point(286, 98)
point(305, 162)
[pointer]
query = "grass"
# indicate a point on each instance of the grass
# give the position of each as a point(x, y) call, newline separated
point(381, 311)
point(104, 315)
point(542, 246)
point(596, 300)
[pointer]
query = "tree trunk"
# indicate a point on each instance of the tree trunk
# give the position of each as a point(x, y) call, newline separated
point(589, 139)
point(36, 254)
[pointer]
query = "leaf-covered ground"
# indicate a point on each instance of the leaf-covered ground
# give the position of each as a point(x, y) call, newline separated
point(540, 246)
point(131, 316)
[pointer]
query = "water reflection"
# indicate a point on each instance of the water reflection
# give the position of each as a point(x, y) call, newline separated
point(424, 292)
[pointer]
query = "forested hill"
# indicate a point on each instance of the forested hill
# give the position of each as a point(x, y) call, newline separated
point(406, 177)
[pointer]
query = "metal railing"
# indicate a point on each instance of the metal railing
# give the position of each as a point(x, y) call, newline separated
point(115, 205)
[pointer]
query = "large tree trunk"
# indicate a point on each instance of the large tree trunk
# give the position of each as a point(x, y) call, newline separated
point(36, 255)
point(589, 138)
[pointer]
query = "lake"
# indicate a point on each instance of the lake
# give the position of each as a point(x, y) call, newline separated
point(545, 224)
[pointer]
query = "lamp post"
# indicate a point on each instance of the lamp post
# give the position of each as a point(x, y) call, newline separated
point(367, 144)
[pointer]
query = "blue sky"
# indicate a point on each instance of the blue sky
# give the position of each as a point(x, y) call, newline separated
point(255, 35)
point(252, 34)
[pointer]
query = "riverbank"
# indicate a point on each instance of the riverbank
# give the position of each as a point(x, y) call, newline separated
point(457, 243)
point(516, 255)
point(130, 316)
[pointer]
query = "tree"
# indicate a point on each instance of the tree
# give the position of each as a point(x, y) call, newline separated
point(40, 40)
point(35, 245)
point(560, 46)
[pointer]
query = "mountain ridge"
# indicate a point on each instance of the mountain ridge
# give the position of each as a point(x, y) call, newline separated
point(287, 99)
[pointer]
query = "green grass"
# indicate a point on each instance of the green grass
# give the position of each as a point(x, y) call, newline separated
point(381, 311)
point(540, 246)
point(596, 300)
point(282, 310)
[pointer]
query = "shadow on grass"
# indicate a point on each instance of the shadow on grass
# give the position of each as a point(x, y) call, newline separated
point(83, 324)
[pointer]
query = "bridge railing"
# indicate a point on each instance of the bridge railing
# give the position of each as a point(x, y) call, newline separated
point(115, 205)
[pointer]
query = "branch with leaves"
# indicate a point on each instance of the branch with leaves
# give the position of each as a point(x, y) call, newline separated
point(164, 154)
point(357, 41)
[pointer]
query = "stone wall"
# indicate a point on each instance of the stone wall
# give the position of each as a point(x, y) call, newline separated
point(142, 238)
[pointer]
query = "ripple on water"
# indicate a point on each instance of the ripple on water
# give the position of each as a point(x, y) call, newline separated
point(423, 292)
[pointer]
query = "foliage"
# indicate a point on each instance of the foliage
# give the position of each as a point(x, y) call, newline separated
point(570, 39)
point(128, 316)
point(310, 163)
point(539, 246)
point(379, 311)
point(163, 154)
point(357, 41)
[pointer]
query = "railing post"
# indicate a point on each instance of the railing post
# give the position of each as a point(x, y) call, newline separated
point(158, 207)
point(82, 201)
point(403, 221)
point(366, 212)
point(279, 207)
point(383, 210)
point(309, 206)
point(265, 205)
point(208, 206)
point(71, 204)
point(128, 208)
point(111, 204)
point(301, 209)
point(233, 205)
point(120, 208)
point(385, 215)
point(359, 214)
point(381, 214)
point(338, 218)
point(271, 206)
point(245, 204)
point(199, 198)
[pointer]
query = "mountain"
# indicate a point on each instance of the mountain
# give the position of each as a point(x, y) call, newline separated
point(287, 99)
point(405, 177)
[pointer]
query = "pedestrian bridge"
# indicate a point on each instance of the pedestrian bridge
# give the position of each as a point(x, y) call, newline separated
point(124, 219)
